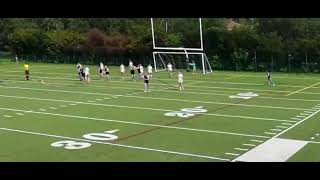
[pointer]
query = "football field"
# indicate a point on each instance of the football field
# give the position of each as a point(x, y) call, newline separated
point(219, 117)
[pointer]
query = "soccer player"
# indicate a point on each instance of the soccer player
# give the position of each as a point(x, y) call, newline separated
point(141, 71)
point(26, 70)
point(193, 67)
point(180, 81)
point(87, 74)
point(107, 72)
point(169, 66)
point(101, 67)
point(150, 70)
point(268, 75)
point(131, 66)
point(146, 83)
point(79, 67)
point(122, 70)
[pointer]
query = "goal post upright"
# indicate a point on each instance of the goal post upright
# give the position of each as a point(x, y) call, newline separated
point(179, 50)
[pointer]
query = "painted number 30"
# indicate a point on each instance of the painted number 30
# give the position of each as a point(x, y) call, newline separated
point(71, 145)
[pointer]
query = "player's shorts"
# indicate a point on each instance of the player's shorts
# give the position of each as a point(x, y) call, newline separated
point(107, 72)
point(83, 75)
point(100, 71)
point(26, 72)
point(139, 71)
point(146, 81)
point(170, 70)
point(132, 71)
point(180, 81)
point(149, 72)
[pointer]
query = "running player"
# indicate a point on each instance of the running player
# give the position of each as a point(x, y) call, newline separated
point(101, 67)
point(82, 75)
point(79, 67)
point(26, 70)
point(107, 72)
point(150, 70)
point(122, 70)
point(169, 66)
point(268, 75)
point(180, 81)
point(146, 83)
point(193, 64)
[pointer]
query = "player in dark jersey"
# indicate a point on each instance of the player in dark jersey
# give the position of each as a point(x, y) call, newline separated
point(268, 75)
point(146, 83)
point(107, 72)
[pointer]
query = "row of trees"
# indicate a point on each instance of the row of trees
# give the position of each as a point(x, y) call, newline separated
point(282, 44)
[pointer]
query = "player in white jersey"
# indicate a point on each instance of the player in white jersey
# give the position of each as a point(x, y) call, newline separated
point(107, 70)
point(131, 66)
point(87, 74)
point(169, 66)
point(146, 83)
point(101, 67)
point(79, 67)
point(180, 81)
point(150, 70)
point(141, 71)
point(122, 70)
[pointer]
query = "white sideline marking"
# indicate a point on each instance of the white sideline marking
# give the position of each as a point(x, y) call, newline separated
point(72, 104)
point(270, 133)
point(52, 108)
point(132, 107)
point(7, 116)
point(80, 92)
point(63, 106)
point(252, 145)
point(279, 130)
point(113, 144)
point(233, 154)
point(284, 127)
point(273, 150)
point(287, 124)
point(136, 123)
point(20, 114)
point(241, 149)
point(303, 89)
point(254, 140)
point(42, 110)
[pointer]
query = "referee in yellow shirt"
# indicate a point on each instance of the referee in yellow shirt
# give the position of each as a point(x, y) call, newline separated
point(26, 70)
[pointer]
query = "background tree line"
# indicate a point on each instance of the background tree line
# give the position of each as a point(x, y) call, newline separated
point(278, 44)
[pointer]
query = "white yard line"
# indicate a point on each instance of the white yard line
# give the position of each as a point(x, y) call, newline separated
point(144, 108)
point(165, 99)
point(135, 123)
point(20, 114)
point(303, 89)
point(241, 149)
point(287, 124)
point(130, 87)
point(233, 77)
point(278, 130)
point(113, 144)
point(7, 116)
point(255, 140)
point(251, 145)
point(270, 133)
point(284, 127)
point(233, 154)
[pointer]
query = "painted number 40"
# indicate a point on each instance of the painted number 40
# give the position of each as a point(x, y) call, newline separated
point(186, 112)
point(71, 145)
